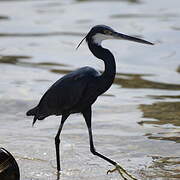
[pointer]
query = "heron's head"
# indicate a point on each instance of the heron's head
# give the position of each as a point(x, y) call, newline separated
point(102, 32)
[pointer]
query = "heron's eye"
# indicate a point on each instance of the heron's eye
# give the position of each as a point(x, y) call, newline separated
point(107, 32)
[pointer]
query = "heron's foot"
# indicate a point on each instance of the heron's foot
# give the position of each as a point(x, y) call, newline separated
point(58, 175)
point(124, 174)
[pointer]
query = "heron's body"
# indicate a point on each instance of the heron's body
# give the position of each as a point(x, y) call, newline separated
point(65, 97)
point(78, 90)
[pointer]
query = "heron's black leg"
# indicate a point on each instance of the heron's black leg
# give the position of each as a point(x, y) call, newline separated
point(87, 116)
point(57, 140)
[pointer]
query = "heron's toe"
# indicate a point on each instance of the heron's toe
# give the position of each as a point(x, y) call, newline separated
point(123, 173)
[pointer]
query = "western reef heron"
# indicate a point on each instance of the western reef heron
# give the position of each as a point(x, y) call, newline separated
point(77, 91)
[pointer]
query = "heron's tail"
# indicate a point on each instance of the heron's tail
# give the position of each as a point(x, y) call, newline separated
point(37, 114)
point(32, 112)
point(34, 120)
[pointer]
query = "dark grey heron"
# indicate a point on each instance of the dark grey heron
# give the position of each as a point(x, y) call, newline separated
point(78, 90)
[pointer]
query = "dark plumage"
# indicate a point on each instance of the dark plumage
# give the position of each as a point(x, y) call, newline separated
point(78, 90)
point(65, 96)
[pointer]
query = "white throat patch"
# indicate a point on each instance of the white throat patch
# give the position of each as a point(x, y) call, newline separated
point(98, 38)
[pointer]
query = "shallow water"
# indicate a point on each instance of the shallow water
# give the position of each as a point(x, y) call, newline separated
point(135, 123)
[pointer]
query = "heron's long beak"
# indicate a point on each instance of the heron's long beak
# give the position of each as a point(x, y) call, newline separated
point(117, 35)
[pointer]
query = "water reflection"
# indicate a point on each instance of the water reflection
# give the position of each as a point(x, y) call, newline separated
point(12, 59)
point(173, 135)
point(178, 69)
point(176, 28)
point(165, 97)
point(20, 61)
point(144, 15)
point(41, 34)
point(162, 112)
point(130, 1)
point(125, 80)
point(4, 17)
point(164, 167)
point(128, 80)
point(60, 71)
point(136, 81)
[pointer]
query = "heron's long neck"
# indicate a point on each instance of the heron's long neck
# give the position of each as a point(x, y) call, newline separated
point(107, 77)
